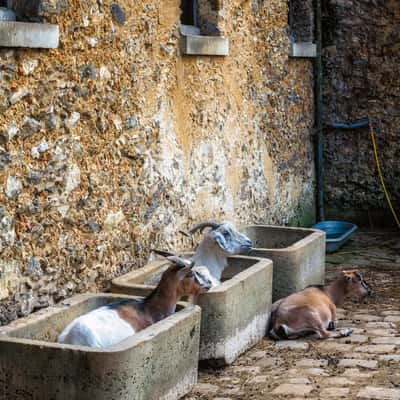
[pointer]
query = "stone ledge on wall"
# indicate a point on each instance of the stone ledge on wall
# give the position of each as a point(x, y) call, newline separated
point(303, 50)
point(204, 45)
point(33, 35)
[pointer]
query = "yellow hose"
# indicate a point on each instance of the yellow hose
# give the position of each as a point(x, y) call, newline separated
point(378, 166)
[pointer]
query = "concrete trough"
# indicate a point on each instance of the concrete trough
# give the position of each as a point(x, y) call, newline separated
point(298, 255)
point(159, 362)
point(234, 315)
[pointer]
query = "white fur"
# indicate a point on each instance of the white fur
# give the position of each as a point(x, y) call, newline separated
point(210, 255)
point(100, 328)
point(204, 276)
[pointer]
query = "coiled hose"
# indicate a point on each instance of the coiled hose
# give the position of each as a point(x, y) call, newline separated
point(378, 166)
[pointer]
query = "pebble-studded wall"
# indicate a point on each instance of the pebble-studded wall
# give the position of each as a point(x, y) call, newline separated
point(361, 68)
point(114, 141)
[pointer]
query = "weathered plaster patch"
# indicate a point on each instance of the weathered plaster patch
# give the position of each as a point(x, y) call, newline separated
point(243, 339)
point(182, 387)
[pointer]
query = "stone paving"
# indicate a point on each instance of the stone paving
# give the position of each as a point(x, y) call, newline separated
point(365, 365)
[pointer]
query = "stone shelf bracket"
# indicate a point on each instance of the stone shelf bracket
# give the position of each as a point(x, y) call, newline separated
point(303, 50)
point(32, 35)
point(193, 43)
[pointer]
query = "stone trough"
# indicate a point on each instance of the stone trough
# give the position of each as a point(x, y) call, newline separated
point(298, 255)
point(234, 315)
point(159, 362)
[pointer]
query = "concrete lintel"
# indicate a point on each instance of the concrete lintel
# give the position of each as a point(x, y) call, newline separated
point(204, 45)
point(33, 35)
point(303, 50)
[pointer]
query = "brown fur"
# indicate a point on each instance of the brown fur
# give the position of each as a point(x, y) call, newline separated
point(134, 317)
point(313, 310)
point(176, 282)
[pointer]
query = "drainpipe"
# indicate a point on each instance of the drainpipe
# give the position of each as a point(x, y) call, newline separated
point(319, 113)
point(194, 13)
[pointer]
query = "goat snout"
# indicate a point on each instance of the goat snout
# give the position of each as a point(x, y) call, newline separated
point(248, 242)
point(247, 245)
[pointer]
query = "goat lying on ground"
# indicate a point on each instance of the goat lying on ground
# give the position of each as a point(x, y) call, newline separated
point(221, 241)
point(115, 322)
point(313, 310)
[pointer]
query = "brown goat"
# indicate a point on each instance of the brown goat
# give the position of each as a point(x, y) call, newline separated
point(312, 311)
point(113, 323)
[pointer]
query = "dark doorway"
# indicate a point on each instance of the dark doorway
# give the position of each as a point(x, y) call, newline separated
point(301, 20)
point(189, 12)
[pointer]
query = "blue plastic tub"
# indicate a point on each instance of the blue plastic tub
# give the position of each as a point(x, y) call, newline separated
point(337, 233)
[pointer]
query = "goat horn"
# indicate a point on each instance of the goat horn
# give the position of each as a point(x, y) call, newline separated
point(200, 227)
point(163, 253)
point(184, 234)
point(181, 262)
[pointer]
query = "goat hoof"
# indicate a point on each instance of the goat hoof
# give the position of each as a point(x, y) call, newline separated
point(331, 326)
point(346, 332)
point(273, 335)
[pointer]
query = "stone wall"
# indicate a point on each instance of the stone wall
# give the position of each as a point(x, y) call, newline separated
point(361, 61)
point(114, 141)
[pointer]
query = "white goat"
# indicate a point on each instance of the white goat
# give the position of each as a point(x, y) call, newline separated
point(220, 242)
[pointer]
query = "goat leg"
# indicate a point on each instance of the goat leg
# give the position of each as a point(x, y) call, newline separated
point(324, 334)
point(285, 332)
point(332, 326)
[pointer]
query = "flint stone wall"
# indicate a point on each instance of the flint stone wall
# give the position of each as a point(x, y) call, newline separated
point(114, 141)
point(361, 78)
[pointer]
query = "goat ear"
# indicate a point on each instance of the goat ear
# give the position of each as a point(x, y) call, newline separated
point(220, 240)
point(163, 253)
point(177, 261)
point(181, 262)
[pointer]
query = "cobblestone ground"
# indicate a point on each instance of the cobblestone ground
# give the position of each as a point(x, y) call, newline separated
point(365, 365)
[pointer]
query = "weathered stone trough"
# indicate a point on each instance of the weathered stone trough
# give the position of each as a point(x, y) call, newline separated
point(159, 362)
point(234, 315)
point(298, 255)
